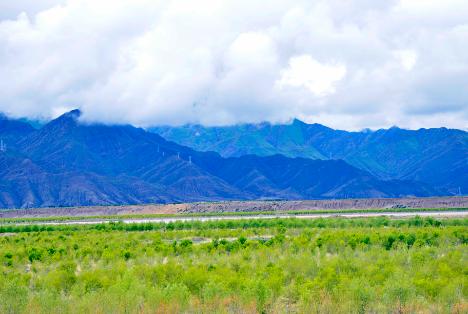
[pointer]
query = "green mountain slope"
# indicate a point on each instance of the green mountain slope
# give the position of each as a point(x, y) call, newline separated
point(436, 156)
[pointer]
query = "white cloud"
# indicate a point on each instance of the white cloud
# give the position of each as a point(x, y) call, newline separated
point(407, 58)
point(304, 71)
point(350, 64)
point(10, 9)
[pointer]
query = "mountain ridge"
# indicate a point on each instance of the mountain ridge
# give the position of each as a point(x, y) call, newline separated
point(431, 155)
point(69, 163)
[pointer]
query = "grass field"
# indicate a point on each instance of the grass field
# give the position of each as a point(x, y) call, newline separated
point(373, 265)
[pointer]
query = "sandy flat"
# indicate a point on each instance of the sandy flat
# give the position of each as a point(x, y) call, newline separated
point(242, 206)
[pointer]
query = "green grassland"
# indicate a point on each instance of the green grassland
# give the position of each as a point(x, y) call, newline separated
point(289, 265)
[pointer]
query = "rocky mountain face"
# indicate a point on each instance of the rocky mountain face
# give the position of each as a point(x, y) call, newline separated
point(438, 157)
point(69, 163)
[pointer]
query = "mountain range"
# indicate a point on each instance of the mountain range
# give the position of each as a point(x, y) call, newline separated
point(68, 163)
point(437, 156)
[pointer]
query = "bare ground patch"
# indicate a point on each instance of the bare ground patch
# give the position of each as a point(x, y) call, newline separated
point(242, 206)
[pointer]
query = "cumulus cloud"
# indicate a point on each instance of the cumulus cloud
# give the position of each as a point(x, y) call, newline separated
point(303, 71)
point(407, 58)
point(351, 64)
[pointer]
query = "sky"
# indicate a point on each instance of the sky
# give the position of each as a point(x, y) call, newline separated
point(348, 64)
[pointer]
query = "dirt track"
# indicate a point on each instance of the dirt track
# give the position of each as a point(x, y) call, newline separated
point(243, 206)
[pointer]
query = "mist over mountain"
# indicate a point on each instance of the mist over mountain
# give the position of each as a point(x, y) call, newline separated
point(437, 156)
point(67, 163)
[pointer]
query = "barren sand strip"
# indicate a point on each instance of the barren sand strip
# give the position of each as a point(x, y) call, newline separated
point(242, 206)
point(444, 214)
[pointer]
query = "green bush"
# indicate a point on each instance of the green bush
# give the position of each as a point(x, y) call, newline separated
point(271, 266)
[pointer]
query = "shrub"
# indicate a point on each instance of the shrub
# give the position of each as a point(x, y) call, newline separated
point(34, 254)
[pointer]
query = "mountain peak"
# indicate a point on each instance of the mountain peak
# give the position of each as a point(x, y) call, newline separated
point(73, 114)
point(65, 121)
point(70, 116)
point(296, 121)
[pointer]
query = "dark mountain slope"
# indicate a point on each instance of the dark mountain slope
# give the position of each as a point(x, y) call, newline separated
point(25, 184)
point(307, 178)
point(13, 130)
point(67, 162)
point(435, 156)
